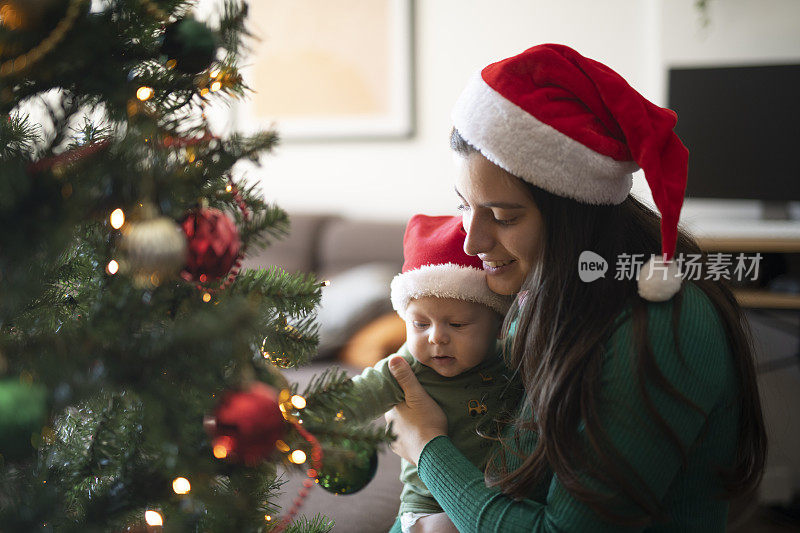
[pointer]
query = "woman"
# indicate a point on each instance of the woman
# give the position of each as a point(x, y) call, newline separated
point(641, 410)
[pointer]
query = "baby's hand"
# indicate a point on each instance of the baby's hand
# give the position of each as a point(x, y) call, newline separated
point(418, 419)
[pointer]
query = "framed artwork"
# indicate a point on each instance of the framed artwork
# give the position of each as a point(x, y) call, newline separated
point(323, 70)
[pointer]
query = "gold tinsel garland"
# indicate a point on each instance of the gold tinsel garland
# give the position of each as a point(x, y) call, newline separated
point(33, 56)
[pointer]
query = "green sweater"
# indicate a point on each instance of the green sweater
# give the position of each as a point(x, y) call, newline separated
point(470, 400)
point(689, 495)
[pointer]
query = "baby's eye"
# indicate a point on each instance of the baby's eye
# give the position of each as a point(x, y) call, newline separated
point(419, 325)
point(463, 207)
point(457, 324)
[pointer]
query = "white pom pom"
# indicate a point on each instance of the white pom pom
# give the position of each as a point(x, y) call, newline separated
point(659, 281)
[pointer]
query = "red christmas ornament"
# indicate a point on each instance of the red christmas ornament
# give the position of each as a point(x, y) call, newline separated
point(247, 424)
point(213, 245)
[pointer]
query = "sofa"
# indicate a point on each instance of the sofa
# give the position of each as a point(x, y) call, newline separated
point(357, 328)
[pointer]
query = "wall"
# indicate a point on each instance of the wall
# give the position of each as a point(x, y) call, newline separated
point(392, 180)
point(638, 38)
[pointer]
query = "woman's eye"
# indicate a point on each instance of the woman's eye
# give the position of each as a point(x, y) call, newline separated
point(505, 221)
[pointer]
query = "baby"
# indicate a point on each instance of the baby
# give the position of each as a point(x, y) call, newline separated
point(452, 325)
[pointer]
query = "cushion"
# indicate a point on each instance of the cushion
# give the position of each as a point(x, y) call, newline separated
point(354, 297)
point(379, 338)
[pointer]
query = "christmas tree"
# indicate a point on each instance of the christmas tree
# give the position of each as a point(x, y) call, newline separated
point(139, 380)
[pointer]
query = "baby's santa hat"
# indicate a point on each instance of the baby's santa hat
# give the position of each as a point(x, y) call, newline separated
point(575, 128)
point(436, 265)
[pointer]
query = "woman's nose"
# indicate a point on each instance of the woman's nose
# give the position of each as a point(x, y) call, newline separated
point(479, 238)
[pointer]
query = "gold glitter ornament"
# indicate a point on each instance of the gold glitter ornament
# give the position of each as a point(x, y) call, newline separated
point(23, 22)
point(154, 249)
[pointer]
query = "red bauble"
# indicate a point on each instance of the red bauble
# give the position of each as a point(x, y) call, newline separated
point(247, 424)
point(213, 244)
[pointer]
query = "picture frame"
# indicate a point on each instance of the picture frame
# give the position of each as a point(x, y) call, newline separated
point(330, 71)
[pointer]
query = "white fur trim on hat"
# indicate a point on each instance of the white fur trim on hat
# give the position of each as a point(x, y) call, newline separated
point(445, 281)
point(518, 142)
point(659, 281)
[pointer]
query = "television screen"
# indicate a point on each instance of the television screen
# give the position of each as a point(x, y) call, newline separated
point(742, 128)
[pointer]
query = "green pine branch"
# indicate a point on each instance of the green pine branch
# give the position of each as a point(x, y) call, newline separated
point(318, 524)
point(281, 293)
point(334, 433)
point(131, 371)
point(18, 136)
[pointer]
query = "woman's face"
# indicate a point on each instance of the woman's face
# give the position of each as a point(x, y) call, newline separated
point(504, 226)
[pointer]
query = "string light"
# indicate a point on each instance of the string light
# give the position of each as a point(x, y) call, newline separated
point(181, 485)
point(216, 86)
point(112, 267)
point(117, 218)
point(153, 518)
point(220, 451)
point(144, 93)
point(267, 517)
point(284, 396)
point(298, 401)
point(207, 297)
point(222, 446)
point(229, 188)
point(298, 457)
point(325, 283)
point(282, 446)
point(215, 73)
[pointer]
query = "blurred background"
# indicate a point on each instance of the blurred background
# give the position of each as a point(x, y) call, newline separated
point(372, 173)
point(361, 92)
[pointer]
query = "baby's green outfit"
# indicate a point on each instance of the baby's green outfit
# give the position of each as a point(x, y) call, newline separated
point(476, 396)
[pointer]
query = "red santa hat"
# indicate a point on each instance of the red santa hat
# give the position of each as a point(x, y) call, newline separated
point(575, 128)
point(436, 265)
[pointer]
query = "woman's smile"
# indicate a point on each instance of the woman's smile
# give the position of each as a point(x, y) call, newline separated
point(498, 268)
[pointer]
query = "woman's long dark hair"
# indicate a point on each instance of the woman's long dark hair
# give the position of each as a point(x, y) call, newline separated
point(561, 329)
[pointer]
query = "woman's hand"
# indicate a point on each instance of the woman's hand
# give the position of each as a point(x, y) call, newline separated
point(417, 420)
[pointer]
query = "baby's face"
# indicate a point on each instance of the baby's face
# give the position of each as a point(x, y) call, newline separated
point(450, 336)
